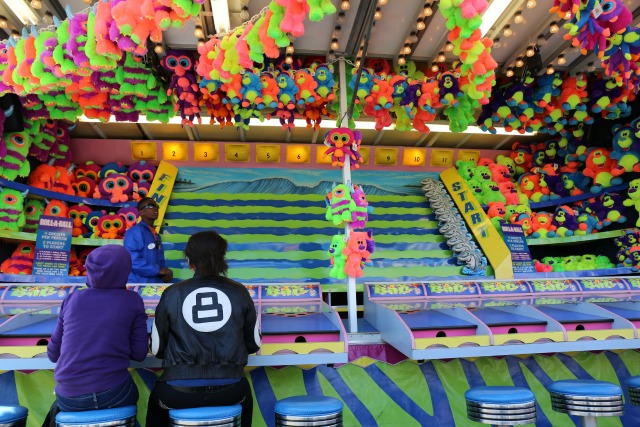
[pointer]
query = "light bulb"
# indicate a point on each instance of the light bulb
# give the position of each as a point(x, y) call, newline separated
point(244, 13)
point(47, 18)
point(420, 24)
point(340, 18)
point(357, 64)
point(519, 62)
point(334, 44)
point(435, 68)
point(244, 2)
point(87, 1)
point(567, 15)
point(406, 49)
point(345, 5)
point(507, 31)
point(289, 59)
point(337, 31)
point(378, 15)
point(531, 4)
point(413, 38)
point(530, 51)
point(201, 42)
point(3, 22)
point(542, 41)
point(198, 33)
point(402, 61)
point(428, 11)
point(158, 49)
point(289, 49)
point(36, 4)
point(15, 34)
point(553, 28)
point(448, 47)
point(550, 69)
point(382, 2)
point(509, 72)
point(518, 18)
point(441, 57)
point(562, 60)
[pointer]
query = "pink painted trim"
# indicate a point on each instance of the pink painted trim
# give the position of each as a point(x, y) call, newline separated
point(103, 151)
point(595, 326)
point(310, 337)
point(459, 332)
point(24, 342)
point(522, 329)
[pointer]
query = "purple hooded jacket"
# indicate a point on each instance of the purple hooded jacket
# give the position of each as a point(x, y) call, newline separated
point(99, 328)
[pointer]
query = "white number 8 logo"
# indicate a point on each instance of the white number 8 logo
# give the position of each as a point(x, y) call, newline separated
point(206, 309)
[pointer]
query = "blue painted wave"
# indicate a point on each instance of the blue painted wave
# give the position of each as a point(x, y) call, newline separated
point(284, 203)
point(305, 231)
point(195, 216)
point(313, 246)
point(311, 264)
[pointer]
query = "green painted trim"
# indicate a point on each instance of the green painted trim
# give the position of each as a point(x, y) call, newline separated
point(293, 224)
point(574, 239)
point(298, 238)
point(318, 255)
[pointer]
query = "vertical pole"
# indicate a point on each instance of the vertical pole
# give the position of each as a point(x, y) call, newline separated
point(352, 308)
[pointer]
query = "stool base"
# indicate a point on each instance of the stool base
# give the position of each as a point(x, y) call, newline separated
point(589, 422)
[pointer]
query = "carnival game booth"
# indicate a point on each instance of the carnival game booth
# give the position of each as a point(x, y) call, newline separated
point(489, 318)
point(297, 326)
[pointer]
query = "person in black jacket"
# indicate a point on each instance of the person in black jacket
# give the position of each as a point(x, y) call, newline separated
point(204, 330)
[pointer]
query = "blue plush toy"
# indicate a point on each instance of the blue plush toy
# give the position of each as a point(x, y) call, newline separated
point(626, 149)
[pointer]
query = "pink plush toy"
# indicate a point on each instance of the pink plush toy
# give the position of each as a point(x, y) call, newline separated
point(356, 253)
point(295, 12)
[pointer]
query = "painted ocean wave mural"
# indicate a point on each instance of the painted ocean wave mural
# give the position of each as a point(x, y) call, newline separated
point(274, 221)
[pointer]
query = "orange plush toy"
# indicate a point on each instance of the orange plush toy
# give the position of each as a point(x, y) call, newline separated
point(357, 253)
point(604, 171)
point(21, 261)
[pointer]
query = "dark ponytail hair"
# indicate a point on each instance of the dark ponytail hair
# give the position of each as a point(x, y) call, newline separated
point(206, 250)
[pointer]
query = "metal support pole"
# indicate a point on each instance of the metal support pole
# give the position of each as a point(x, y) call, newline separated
point(352, 308)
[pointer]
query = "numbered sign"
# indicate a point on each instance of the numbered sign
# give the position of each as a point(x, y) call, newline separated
point(441, 158)
point(298, 153)
point(414, 156)
point(205, 152)
point(143, 150)
point(236, 152)
point(268, 153)
point(365, 152)
point(177, 151)
point(320, 157)
point(386, 156)
point(473, 155)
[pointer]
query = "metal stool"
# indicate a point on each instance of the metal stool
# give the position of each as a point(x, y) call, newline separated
point(123, 416)
point(633, 388)
point(501, 405)
point(13, 416)
point(587, 399)
point(218, 416)
point(301, 411)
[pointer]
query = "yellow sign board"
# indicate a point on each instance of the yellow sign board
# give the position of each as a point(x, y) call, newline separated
point(414, 156)
point(298, 153)
point(386, 156)
point(486, 235)
point(320, 157)
point(161, 188)
point(365, 152)
point(143, 150)
point(177, 151)
point(268, 153)
point(441, 158)
point(205, 152)
point(472, 155)
point(236, 152)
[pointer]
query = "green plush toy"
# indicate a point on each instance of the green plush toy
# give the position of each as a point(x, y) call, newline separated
point(318, 9)
point(338, 259)
point(633, 199)
point(256, 48)
point(274, 31)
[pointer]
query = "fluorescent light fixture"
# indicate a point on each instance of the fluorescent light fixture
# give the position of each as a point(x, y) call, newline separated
point(220, 11)
point(442, 127)
point(22, 11)
point(493, 13)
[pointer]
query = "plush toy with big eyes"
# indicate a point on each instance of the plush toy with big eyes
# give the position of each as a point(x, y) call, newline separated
point(339, 204)
point(111, 226)
point(11, 209)
point(141, 171)
point(78, 213)
point(116, 188)
point(14, 163)
point(84, 187)
point(343, 142)
point(56, 208)
point(181, 65)
point(130, 216)
point(33, 209)
point(21, 261)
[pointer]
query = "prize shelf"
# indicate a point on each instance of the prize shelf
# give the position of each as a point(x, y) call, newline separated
point(21, 236)
point(33, 191)
point(575, 239)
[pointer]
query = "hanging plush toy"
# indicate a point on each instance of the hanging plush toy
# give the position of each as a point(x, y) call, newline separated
point(360, 212)
point(342, 142)
point(357, 252)
point(338, 259)
point(339, 204)
point(183, 84)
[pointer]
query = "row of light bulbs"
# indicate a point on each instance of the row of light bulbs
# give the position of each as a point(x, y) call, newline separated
point(420, 25)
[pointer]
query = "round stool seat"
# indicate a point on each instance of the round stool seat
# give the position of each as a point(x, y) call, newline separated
point(633, 388)
point(501, 405)
point(228, 416)
point(123, 416)
point(587, 398)
point(309, 411)
point(13, 416)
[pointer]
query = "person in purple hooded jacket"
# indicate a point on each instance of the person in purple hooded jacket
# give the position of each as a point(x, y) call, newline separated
point(99, 330)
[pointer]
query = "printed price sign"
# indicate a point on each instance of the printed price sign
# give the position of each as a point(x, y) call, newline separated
point(143, 150)
point(53, 244)
point(268, 153)
point(298, 153)
point(205, 152)
point(517, 244)
point(441, 158)
point(386, 156)
point(236, 152)
point(177, 151)
point(414, 156)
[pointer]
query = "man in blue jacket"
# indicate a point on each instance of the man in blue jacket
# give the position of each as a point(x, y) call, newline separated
point(145, 247)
